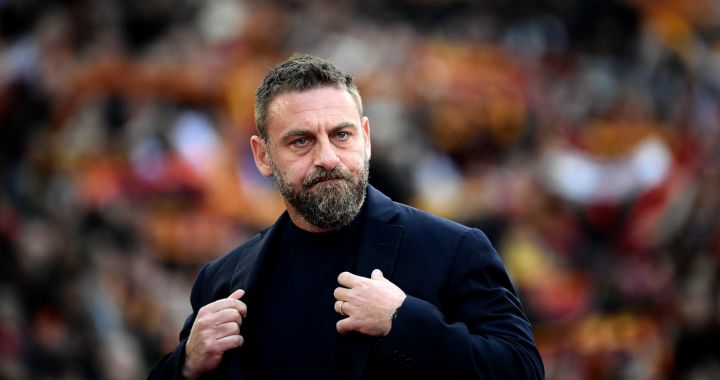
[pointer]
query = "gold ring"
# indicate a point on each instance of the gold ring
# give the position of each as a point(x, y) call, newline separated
point(341, 309)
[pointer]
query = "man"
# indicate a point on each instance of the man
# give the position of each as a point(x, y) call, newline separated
point(347, 284)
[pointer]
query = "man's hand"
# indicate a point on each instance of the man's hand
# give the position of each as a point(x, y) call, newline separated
point(368, 303)
point(216, 329)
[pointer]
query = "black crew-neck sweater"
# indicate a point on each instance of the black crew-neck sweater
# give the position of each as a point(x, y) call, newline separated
point(293, 334)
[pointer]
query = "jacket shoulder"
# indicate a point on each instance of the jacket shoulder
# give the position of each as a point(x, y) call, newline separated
point(439, 237)
point(424, 221)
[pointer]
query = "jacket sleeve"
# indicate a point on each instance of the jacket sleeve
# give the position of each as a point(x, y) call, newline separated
point(481, 331)
point(170, 366)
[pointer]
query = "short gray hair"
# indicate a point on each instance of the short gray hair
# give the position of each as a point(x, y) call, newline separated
point(301, 72)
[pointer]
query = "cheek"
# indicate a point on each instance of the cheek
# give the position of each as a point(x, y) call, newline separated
point(297, 172)
point(354, 160)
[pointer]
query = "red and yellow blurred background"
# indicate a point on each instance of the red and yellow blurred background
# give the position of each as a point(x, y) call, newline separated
point(582, 136)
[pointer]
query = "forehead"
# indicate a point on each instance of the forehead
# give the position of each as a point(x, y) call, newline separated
point(313, 108)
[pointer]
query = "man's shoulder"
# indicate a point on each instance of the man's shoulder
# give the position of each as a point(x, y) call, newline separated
point(411, 219)
point(423, 219)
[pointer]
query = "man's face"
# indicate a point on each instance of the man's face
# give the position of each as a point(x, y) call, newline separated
point(318, 151)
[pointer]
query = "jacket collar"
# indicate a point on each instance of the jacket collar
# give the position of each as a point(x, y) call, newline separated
point(378, 247)
point(251, 263)
point(380, 237)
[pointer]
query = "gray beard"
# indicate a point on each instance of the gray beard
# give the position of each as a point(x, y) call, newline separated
point(327, 205)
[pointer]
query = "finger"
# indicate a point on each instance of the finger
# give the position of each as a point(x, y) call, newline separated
point(377, 275)
point(225, 303)
point(341, 307)
point(237, 294)
point(241, 306)
point(227, 329)
point(342, 294)
point(227, 315)
point(344, 326)
point(348, 279)
point(229, 342)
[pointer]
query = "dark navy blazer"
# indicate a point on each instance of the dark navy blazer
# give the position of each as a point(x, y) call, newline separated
point(461, 319)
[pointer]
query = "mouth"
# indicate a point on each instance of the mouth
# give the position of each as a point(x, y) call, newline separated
point(325, 181)
point(326, 177)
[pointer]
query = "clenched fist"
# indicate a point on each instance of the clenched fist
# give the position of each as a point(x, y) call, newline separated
point(216, 329)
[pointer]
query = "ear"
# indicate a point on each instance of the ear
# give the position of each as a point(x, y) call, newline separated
point(366, 131)
point(261, 155)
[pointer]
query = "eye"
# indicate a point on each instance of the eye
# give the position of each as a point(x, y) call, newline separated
point(343, 135)
point(302, 141)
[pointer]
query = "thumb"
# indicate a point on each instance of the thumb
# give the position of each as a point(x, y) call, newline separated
point(377, 274)
point(237, 294)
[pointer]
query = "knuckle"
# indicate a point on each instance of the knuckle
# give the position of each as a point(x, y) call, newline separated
point(207, 344)
point(202, 322)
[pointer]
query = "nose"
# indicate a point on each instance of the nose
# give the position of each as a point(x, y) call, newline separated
point(325, 155)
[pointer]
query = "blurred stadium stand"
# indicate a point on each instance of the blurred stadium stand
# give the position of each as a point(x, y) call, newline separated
point(582, 136)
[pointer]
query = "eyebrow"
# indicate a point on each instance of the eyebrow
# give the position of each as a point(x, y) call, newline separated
point(304, 132)
point(342, 126)
point(295, 133)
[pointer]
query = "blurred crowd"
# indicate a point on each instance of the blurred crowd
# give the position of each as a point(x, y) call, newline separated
point(582, 136)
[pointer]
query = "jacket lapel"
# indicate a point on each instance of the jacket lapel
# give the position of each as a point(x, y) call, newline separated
point(245, 276)
point(378, 249)
point(380, 238)
point(250, 265)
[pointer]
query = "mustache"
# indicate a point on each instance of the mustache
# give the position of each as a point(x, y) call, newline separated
point(321, 175)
